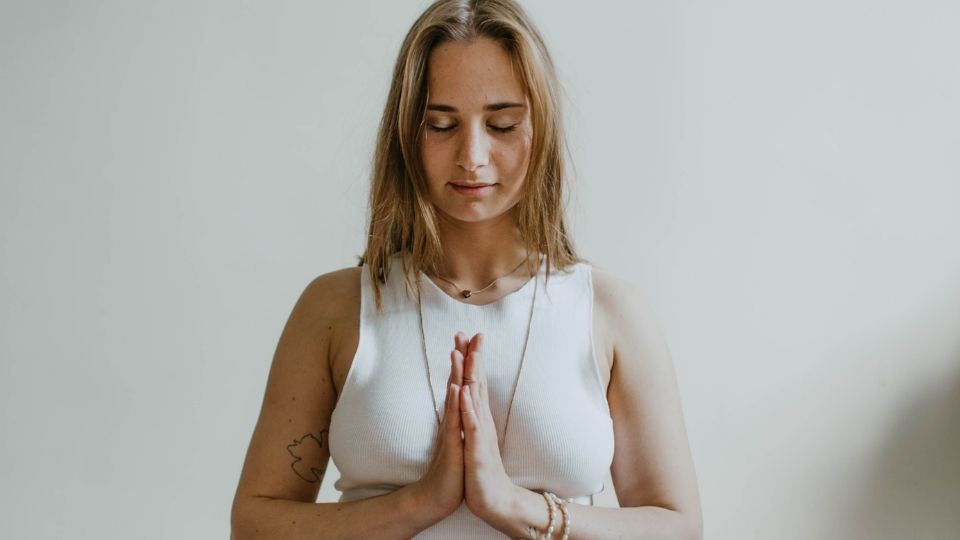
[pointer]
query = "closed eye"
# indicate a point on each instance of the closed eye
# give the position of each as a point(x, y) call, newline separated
point(505, 129)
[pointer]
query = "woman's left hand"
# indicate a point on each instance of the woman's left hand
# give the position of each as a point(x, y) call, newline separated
point(487, 488)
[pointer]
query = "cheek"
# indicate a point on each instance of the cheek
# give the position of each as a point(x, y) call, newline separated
point(514, 158)
point(430, 158)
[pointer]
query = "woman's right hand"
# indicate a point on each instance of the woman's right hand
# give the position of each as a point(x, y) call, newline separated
point(441, 487)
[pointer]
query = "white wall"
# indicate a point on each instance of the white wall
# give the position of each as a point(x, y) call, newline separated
point(782, 179)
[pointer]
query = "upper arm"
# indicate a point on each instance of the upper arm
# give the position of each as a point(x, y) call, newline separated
point(288, 452)
point(652, 463)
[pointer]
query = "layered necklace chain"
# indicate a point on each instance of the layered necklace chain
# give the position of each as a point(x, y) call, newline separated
point(523, 355)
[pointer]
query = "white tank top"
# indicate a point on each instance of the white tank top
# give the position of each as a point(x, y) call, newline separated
point(560, 435)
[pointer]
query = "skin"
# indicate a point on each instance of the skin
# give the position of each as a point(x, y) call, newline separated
point(652, 469)
point(481, 242)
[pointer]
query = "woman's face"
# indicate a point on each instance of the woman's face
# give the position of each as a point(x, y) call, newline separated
point(477, 131)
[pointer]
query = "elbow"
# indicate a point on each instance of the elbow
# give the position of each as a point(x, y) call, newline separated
point(689, 520)
point(240, 518)
point(687, 524)
point(235, 514)
point(692, 525)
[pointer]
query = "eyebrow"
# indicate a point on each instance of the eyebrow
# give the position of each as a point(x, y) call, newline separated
point(490, 107)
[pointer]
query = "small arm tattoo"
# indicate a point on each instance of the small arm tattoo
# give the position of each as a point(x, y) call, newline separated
point(309, 453)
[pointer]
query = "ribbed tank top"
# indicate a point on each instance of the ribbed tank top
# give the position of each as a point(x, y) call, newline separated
point(560, 435)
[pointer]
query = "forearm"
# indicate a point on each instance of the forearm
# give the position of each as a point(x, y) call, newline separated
point(529, 508)
point(398, 514)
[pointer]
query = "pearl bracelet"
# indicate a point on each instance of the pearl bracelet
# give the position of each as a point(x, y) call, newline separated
point(566, 514)
point(552, 502)
point(553, 514)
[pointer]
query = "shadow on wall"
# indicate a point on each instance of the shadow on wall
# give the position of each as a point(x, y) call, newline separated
point(914, 491)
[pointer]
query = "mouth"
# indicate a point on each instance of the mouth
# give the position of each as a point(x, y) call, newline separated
point(474, 189)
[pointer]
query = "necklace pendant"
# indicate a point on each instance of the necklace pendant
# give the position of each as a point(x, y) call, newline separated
point(465, 293)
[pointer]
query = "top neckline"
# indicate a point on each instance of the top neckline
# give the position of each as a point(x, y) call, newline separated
point(521, 292)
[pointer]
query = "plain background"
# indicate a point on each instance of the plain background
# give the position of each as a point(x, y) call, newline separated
point(782, 179)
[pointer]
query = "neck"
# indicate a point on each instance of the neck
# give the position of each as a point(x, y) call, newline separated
point(474, 254)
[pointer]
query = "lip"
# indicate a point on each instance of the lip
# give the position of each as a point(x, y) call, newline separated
point(472, 189)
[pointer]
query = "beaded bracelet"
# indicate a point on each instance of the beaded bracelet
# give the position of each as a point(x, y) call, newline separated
point(553, 514)
point(566, 514)
point(532, 532)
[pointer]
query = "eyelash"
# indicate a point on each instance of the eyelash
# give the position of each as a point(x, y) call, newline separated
point(500, 130)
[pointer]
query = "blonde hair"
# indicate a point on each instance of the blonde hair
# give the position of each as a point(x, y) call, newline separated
point(402, 218)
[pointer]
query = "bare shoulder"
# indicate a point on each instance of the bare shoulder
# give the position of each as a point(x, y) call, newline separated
point(623, 309)
point(332, 295)
point(613, 292)
point(335, 297)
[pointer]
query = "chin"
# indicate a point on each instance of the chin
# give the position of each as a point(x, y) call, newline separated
point(469, 217)
point(472, 213)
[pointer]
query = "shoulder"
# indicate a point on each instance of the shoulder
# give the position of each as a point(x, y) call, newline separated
point(615, 295)
point(328, 302)
point(331, 302)
point(333, 295)
point(624, 308)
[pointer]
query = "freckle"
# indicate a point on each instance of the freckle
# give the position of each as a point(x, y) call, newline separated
point(289, 420)
point(294, 398)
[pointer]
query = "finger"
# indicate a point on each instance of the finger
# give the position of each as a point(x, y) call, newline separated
point(470, 375)
point(451, 413)
point(474, 342)
point(480, 407)
point(451, 420)
point(461, 344)
point(449, 405)
point(483, 416)
point(456, 420)
point(469, 417)
point(453, 426)
point(479, 371)
point(474, 360)
point(450, 376)
point(456, 367)
point(476, 345)
point(477, 341)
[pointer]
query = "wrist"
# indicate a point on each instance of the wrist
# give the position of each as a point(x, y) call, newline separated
point(420, 507)
point(520, 511)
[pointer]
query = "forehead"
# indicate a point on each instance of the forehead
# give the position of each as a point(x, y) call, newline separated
point(472, 72)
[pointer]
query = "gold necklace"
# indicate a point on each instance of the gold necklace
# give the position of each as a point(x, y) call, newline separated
point(467, 293)
point(523, 355)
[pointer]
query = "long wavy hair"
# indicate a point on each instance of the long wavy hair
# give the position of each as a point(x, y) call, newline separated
point(402, 219)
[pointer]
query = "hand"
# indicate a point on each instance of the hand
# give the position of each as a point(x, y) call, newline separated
point(487, 487)
point(441, 487)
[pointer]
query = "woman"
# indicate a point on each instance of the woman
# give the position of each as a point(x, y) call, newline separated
point(542, 372)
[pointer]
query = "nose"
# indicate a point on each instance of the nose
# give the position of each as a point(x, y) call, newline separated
point(473, 151)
